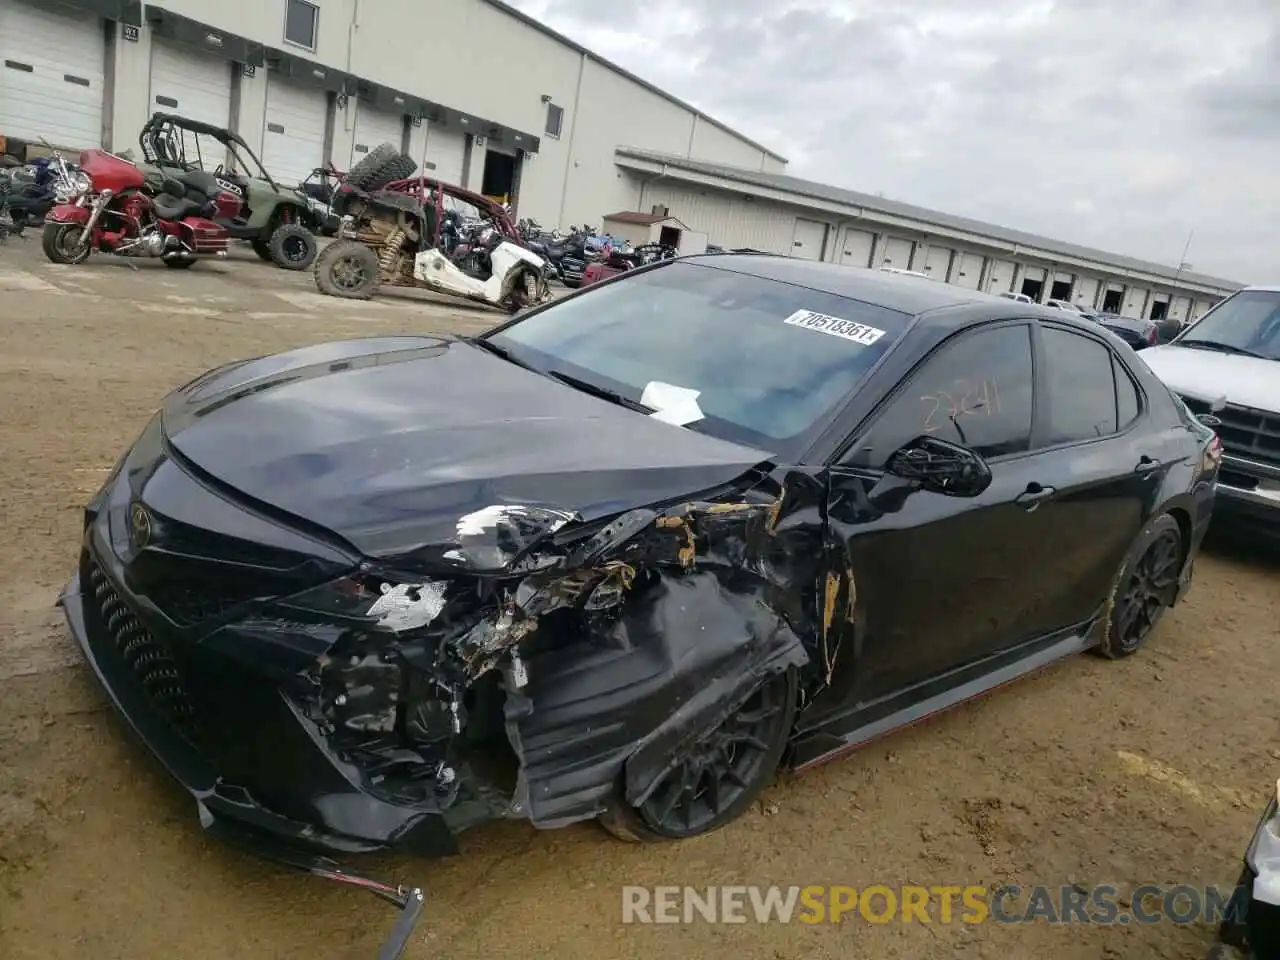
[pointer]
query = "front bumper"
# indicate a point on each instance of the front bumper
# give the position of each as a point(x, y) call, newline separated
point(1253, 927)
point(259, 768)
point(1249, 493)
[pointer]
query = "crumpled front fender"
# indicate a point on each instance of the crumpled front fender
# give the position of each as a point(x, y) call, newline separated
point(620, 709)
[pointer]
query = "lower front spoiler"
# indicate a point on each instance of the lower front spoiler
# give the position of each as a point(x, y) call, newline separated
point(229, 813)
point(408, 900)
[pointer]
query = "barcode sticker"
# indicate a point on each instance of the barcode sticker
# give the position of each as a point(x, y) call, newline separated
point(834, 326)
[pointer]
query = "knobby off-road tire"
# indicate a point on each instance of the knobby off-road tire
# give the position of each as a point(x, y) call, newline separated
point(380, 166)
point(292, 247)
point(347, 269)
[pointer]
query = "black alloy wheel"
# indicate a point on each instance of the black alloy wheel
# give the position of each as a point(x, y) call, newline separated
point(292, 246)
point(347, 269)
point(1145, 588)
point(724, 771)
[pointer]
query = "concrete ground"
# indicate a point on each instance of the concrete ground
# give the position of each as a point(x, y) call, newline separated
point(1153, 769)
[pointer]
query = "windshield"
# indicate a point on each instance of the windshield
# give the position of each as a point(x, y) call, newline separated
point(743, 358)
point(1248, 321)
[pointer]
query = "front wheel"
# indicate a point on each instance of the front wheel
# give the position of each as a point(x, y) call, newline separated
point(349, 269)
point(292, 246)
point(178, 261)
point(65, 243)
point(719, 775)
point(1145, 587)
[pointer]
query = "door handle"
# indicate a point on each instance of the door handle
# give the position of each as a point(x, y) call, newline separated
point(1146, 464)
point(1033, 496)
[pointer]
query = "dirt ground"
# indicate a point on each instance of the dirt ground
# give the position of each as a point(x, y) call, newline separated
point(1149, 770)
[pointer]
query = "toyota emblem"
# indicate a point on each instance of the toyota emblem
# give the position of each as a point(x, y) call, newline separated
point(139, 525)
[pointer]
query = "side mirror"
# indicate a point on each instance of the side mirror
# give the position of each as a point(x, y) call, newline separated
point(940, 466)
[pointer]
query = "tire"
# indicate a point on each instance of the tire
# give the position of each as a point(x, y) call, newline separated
point(655, 820)
point(261, 248)
point(336, 264)
point(1144, 588)
point(520, 296)
point(292, 246)
point(56, 238)
point(380, 166)
point(178, 262)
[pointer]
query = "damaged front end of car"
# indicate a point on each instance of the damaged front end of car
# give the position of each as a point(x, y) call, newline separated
point(551, 667)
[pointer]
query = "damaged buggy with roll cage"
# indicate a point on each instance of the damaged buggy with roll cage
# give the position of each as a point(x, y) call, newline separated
point(277, 221)
point(399, 230)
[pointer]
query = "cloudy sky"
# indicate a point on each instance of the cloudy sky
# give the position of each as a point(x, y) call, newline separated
point(1121, 124)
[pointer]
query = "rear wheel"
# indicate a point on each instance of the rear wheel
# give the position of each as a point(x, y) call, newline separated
point(1145, 587)
point(178, 261)
point(292, 246)
point(347, 269)
point(720, 775)
point(65, 243)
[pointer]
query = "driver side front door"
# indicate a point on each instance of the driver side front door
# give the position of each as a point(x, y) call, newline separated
point(937, 579)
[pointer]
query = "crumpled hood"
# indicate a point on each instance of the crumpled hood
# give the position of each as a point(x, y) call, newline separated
point(1207, 375)
point(390, 442)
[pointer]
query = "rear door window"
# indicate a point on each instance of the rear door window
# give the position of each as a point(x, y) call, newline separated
point(1080, 388)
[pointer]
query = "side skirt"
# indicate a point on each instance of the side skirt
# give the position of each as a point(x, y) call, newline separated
point(844, 733)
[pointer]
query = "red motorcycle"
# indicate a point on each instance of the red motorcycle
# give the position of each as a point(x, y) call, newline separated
point(126, 214)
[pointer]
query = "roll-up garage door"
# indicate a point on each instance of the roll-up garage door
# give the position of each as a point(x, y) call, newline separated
point(52, 69)
point(293, 140)
point(1086, 292)
point(808, 239)
point(1181, 309)
point(856, 248)
point(192, 84)
point(445, 151)
point(968, 271)
point(1135, 302)
point(937, 262)
point(1001, 279)
point(374, 127)
point(896, 253)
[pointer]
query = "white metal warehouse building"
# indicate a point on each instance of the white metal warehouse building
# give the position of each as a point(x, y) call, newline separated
point(489, 98)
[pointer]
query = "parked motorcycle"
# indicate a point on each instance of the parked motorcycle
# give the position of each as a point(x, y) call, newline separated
point(34, 189)
point(125, 213)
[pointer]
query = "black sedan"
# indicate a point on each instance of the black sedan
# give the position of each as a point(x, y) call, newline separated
point(1136, 332)
point(625, 555)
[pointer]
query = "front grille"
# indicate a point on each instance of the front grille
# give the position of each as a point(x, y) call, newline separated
point(146, 656)
point(1244, 431)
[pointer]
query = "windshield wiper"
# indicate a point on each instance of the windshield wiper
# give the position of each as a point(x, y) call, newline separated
point(1220, 347)
point(604, 393)
point(497, 351)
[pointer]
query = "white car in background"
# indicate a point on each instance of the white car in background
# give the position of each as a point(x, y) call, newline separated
point(1020, 297)
point(1226, 369)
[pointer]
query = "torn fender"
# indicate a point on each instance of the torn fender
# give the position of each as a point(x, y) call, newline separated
point(688, 650)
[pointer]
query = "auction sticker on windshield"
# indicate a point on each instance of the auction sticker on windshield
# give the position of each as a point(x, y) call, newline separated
point(857, 332)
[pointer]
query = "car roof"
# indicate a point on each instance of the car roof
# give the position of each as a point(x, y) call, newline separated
point(894, 291)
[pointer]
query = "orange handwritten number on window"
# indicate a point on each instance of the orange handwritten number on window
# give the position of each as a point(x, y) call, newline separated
point(982, 399)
